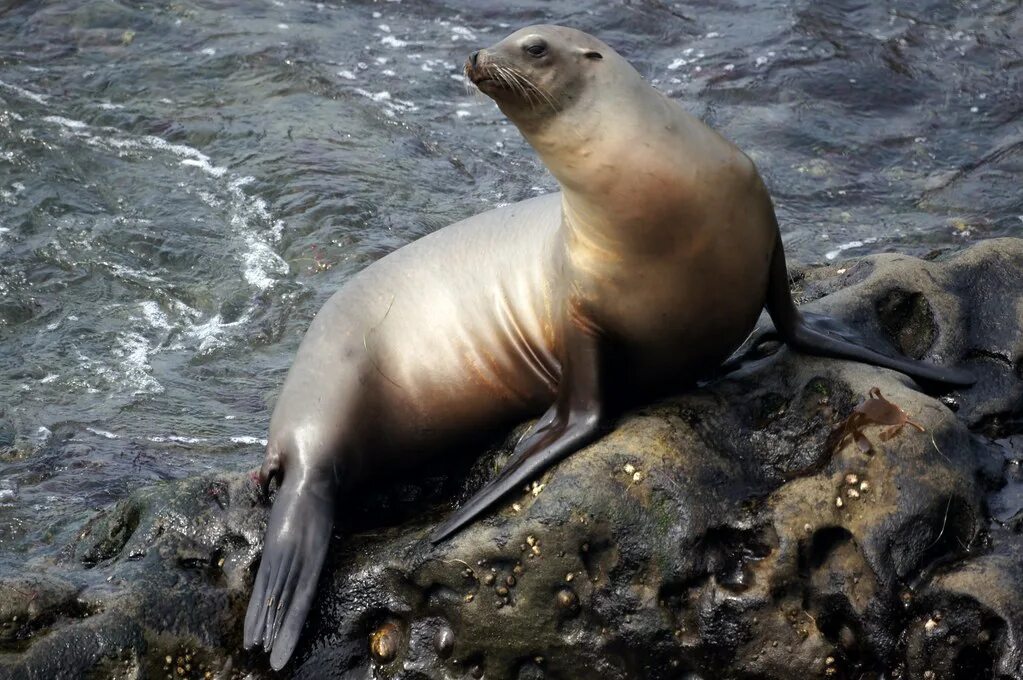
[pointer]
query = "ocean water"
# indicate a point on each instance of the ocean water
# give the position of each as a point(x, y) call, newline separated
point(182, 185)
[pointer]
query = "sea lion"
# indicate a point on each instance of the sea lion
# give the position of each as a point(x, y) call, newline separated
point(649, 268)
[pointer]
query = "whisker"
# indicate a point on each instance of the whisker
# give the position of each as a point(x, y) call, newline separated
point(526, 88)
point(508, 77)
point(519, 83)
point(533, 87)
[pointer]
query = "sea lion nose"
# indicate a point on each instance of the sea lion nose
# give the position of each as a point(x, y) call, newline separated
point(474, 58)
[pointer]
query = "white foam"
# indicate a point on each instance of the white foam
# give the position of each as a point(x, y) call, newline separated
point(392, 106)
point(248, 440)
point(103, 433)
point(134, 351)
point(205, 166)
point(175, 439)
point(832, 254)
point(66, 122)
point(391, 41)
point(8, 492)
point(188, 155)
point(260, 262)
point(154, 315)
point(123, 272)
point(27, 94)
point(208, 333)
point(49, 379)
point(251, 221)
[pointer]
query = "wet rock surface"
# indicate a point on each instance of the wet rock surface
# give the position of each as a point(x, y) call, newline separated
point(754, 527)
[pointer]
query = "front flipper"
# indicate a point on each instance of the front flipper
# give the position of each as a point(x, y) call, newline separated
point(294, 549)
point(810, 334)
point(573, 422)
point(540, 428)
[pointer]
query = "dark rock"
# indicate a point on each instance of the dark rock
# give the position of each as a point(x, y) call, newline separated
point(734, 531)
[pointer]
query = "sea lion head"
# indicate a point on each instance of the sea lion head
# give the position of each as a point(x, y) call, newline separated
point(539, 72)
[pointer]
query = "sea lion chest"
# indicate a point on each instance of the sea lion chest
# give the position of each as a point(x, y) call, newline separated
point(685, 280)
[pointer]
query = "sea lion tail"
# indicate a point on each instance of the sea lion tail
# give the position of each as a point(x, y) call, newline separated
point(294, 550)
point(798, 333)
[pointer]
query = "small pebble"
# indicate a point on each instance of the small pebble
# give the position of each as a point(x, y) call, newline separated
point(469, 597)
point(444, 642)
point(510, 581)
point(567, 600)
point(864, 487)
point(569, 576)
point(383, 643)
point(851, 479)
point(488, 580)
point(838, 501)
point(629, 468)
point(853, 493)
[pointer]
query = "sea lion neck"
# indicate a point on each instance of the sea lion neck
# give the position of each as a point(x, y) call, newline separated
point(600, 150)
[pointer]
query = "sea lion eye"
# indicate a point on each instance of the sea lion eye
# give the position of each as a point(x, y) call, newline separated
point(536, 49)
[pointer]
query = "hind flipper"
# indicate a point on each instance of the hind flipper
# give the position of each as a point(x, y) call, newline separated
point(297, 537)
point(572, 423)
point(812, 336)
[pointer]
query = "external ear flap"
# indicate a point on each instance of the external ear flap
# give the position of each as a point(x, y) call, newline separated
point(593, 55)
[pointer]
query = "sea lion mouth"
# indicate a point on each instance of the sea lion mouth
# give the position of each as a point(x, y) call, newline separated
point(483, 75)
